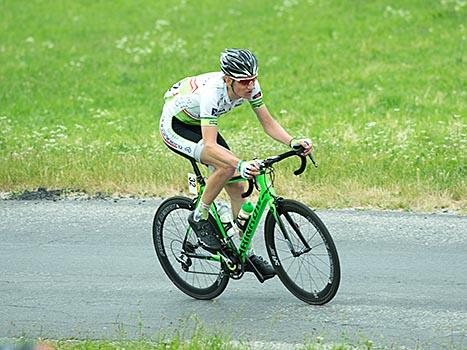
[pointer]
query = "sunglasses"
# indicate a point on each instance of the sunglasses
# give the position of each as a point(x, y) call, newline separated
point(246, 82)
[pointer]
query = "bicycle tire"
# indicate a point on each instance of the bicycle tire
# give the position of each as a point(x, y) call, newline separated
point(321, 284)
point(170, 228)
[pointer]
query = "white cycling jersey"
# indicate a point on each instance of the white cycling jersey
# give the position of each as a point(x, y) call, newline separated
point(201, 99)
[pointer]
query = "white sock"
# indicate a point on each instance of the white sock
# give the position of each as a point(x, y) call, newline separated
point(202, 212)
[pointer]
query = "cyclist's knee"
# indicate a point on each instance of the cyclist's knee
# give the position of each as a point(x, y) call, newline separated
point(235, 190)
point(225, 170)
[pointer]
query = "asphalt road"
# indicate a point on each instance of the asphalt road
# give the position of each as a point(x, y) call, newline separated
point(87, 269)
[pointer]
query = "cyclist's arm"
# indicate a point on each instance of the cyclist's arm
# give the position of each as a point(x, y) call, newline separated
point(271, 126)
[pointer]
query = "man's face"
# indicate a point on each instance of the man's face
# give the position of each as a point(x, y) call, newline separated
point(244, 87)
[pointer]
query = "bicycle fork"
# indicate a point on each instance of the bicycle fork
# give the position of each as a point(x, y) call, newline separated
point(277, 215)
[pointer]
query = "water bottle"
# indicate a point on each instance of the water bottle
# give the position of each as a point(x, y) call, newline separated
point(225, 215)
point(244, 216)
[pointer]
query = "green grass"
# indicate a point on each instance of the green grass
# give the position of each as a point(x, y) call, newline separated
point(193, 334)
point(380, 87)
point(204, 341)
point(201, 341)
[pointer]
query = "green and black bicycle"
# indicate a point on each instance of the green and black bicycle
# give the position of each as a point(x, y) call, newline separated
point(298, 243)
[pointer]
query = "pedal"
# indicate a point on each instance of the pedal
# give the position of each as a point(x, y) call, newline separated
point(185, 262)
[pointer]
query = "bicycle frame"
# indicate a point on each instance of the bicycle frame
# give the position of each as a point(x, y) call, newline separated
point(267, 196)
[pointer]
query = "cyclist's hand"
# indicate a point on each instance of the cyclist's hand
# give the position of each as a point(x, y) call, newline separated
point(248, 169)
point(304, 142)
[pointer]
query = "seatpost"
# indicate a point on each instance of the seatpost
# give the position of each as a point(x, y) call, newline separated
point(199, 176)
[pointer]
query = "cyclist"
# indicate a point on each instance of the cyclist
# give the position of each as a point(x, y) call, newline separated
point(189, 127)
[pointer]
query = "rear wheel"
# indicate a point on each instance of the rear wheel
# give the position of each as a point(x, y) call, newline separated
point(306, 262)
point(176, 244)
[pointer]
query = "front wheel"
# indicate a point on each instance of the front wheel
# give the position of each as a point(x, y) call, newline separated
point(302, 252)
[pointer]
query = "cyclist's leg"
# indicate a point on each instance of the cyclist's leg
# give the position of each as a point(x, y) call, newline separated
point(219, 177)
point(235, 192)
point(187, 141)
point(216, 181)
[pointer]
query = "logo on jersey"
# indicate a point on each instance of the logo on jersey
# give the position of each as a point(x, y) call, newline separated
point(258, 95)
point(216, 112)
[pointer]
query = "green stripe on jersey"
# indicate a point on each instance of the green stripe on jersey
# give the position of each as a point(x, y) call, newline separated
point(257, 103)
point(186, 119)
point(208, 121)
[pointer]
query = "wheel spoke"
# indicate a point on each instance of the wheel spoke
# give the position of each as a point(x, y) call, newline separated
point(320, 273)
point(317, 245)
point(317, 257)
point(293, 261)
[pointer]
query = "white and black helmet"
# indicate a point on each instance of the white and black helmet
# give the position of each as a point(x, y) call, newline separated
point(239, 63)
